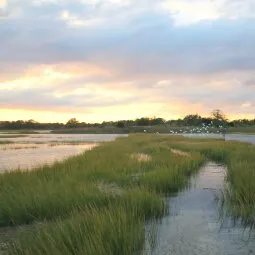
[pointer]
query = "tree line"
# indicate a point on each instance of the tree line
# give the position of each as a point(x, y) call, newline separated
point(217, 118)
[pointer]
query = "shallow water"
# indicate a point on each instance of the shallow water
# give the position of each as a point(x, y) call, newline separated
point(241, 138)
point(193, 225)
point(37, 149)
point(229, 137)
point(40, 154)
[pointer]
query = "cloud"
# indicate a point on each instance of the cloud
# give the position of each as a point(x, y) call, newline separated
point(250, 82)
point(139, 47)
point(3, 4)
point(247, 105)
point(188, 12)
point(156, 56)
point(3, 10)
point(77, 21)
point(45, 100)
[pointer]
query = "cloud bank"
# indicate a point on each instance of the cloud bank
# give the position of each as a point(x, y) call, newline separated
point(112, 59)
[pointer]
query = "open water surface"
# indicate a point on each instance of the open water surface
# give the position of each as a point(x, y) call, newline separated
point(194, 225)
point(32, 150)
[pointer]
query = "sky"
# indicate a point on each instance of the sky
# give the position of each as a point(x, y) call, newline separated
point(99, 60)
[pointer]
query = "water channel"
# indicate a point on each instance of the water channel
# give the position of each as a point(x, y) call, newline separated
point(194, 226)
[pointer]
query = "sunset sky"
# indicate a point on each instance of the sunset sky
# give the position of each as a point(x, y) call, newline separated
point(101, 60)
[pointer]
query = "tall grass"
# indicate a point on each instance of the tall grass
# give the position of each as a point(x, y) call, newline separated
point(92, 231)
point(77, 215)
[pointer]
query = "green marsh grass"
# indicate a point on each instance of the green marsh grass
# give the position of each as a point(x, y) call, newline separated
point(98, 202)
point(78, 217)
point(111, 230)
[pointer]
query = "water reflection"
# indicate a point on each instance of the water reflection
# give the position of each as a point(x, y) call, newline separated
point(229, 137)
point(32, 150)
point(194, 226)
point(36, 154)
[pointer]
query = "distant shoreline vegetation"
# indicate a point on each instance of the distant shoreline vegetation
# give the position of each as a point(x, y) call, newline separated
point(215, 121)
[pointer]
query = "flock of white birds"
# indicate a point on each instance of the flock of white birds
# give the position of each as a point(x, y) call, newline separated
point(204, 129)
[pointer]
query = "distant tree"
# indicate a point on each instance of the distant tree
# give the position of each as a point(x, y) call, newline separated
point(219, 118)
point(82, 124)
point(18, 124)
point(192, 120)
point(73, 122)
point(30, 124)
point(206, 120)
point(143, 122)
point(218, 115)
point(157, 121)
point(120, 124)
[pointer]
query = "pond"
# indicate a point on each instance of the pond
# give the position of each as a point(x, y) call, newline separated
point(28, 151)
point(194, 226)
